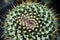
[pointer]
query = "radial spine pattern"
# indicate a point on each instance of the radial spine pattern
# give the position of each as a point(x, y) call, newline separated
point(30, 21)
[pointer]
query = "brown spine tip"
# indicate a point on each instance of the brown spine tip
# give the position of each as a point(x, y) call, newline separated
point(22, 1)
point(25, 1)
point(28, 1)
point(35, 1)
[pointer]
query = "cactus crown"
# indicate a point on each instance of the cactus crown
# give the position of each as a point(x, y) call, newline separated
point(30, 21)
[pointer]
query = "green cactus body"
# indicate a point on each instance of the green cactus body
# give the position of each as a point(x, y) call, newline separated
point(30, 21)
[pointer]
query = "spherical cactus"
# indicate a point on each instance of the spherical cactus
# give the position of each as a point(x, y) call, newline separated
point(30, 21)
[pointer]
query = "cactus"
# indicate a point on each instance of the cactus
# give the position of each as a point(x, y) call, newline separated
point(30, 21)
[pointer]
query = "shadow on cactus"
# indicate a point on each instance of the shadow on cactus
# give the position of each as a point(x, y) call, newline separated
point(30, 21)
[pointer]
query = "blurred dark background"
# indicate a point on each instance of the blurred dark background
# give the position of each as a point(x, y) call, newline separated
point(6, 5)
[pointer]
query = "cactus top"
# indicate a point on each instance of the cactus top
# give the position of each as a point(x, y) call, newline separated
point(30, 22)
